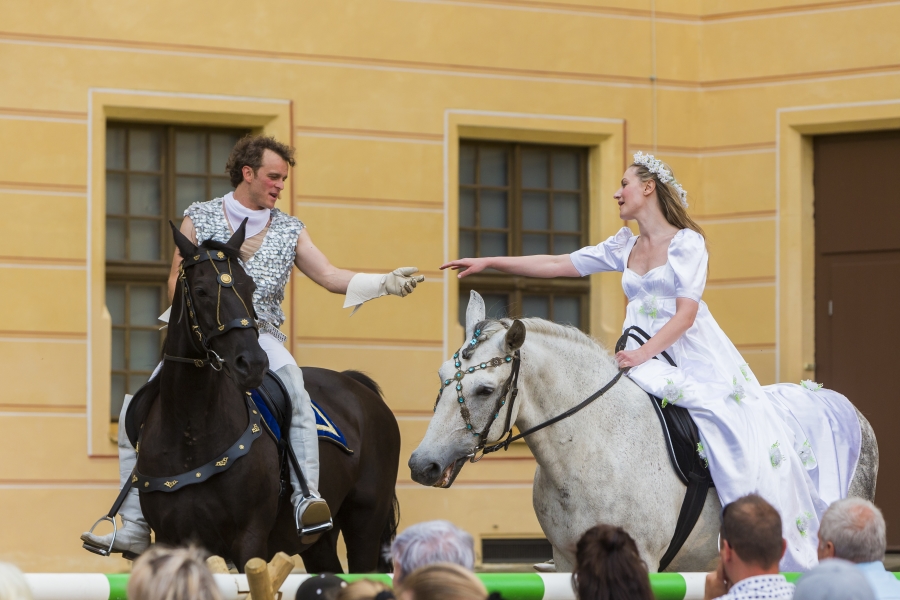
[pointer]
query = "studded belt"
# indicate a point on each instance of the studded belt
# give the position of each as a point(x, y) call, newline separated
point(266, 327)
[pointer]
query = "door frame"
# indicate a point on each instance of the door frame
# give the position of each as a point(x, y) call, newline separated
point(795, 227)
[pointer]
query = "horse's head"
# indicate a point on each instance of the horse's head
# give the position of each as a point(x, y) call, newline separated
point(213, 305)
point(472, 406)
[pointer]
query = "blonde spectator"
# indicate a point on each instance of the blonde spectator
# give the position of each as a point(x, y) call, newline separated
point(12, 583)
point(442, 581)
point(163, 573)
point(366, 589)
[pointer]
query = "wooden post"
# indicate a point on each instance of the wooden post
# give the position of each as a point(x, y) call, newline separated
point(280, 567)
point(258, 579)
point(217, 564)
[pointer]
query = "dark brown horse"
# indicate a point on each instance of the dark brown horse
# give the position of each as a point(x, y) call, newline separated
point(243, 512)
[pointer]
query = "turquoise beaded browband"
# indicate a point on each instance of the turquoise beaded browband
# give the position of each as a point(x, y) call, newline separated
point(460, 373)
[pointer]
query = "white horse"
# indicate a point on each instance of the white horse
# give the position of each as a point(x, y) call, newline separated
point(606, 464)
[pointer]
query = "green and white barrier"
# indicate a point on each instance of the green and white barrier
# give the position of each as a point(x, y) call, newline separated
point(512, 586)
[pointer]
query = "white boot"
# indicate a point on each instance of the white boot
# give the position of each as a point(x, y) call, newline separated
point(132, 538)
point(134, 535)
point(311, 513)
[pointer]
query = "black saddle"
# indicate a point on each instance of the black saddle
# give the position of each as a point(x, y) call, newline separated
point(139, 408)
point(272, 397)
point(682, 443)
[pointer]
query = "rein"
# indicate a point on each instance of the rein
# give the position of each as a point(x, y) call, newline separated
point(223, 280)
point(511, 389)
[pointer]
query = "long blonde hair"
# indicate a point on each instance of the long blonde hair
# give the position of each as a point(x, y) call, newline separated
point(13, 585)
point(441, 581)
point(163, 573)
point(669, 200)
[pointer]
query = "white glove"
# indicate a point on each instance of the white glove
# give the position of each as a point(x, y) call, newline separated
point(366, 286)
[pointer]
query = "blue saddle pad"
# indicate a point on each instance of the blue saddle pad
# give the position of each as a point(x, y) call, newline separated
point(325, 427)
point(328, 430)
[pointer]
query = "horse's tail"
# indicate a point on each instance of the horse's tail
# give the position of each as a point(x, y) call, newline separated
point(365, 380)
point(385, 563)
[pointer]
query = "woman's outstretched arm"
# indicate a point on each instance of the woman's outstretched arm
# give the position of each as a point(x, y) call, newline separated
point(681, 321)
point(540, 265)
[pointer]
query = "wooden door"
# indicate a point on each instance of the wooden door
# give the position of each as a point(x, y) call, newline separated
point(857, 216)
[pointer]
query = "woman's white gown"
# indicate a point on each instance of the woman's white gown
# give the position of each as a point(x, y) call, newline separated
point(796, 447)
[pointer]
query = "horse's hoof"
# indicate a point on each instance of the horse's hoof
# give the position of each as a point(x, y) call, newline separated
point(548, 566)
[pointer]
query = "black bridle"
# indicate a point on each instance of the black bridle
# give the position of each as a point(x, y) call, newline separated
point(223, 280)
point(511, 389)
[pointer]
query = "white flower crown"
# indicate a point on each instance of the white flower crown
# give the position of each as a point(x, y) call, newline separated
point(662, 173)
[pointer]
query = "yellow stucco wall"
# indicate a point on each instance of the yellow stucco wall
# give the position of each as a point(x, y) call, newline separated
point(375, 95)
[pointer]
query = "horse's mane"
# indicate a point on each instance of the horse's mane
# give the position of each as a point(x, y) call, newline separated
point(220, 246)
point(567, 333)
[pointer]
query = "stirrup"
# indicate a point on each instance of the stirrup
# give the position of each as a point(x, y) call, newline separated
point(99, 549)
point(317, 529)
point(324, 522)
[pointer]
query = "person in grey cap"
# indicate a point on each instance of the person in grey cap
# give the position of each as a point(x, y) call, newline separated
point(854, 529)
point(834, 579)
point(320, 587)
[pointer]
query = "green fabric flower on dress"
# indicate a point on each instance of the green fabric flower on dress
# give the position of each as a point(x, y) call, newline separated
point(775, 455)
point(649, 306)
point(701, 452)
point(806, 456)
point(803, 523)
point(671, 393)
point(811, 385)
point(738, 394)
point(745, 371)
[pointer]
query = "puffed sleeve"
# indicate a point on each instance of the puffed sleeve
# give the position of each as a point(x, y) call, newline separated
point(689, 259)
point(605, 256)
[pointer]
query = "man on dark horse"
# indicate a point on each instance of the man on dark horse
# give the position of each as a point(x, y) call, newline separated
point(274, 242)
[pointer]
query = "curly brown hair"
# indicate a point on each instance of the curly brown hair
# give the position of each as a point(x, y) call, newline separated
point(249, 152)
point(609, 567)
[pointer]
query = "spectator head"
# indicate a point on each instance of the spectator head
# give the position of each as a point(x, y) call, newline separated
point(441, 581)
point(13, 585)
point(431, 542)
point(366, 589)
point(608, 565)
point(163, 573)
point(852, 529)
point(321, 587)
point(834, 579)
point(751, 541)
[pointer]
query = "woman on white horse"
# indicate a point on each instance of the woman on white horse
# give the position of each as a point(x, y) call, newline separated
point(746, 441)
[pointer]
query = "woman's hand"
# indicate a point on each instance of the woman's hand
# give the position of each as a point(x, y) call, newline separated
point(468, 266)
point(631, 358)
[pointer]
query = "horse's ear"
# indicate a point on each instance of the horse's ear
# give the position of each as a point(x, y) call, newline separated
point(237, 240)
point(474, 313)
point(184, 245)
point(515, 337)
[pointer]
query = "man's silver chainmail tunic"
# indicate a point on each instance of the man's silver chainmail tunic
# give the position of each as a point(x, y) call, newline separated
point(270, 267)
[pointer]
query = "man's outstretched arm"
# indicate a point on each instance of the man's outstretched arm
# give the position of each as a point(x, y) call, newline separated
point(315, 265)
point(359, 287)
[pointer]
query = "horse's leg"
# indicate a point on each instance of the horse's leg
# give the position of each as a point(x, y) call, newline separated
point(562, 562)
point(362, 534)
point(863, 483)
point(252, 542)
point(322, 557)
